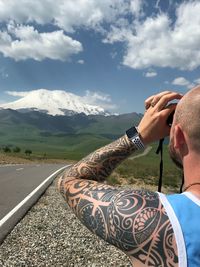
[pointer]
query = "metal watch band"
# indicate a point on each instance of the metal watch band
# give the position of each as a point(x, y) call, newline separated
point(133, 136)
point(137, 142)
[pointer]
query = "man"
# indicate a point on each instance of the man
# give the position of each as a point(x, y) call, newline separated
point(151, 228)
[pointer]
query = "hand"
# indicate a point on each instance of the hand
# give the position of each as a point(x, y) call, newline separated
point(153, 125)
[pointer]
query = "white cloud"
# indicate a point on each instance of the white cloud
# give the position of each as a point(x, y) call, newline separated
point(150, 74)
point(99, 99)
point(136, 7)
point(24, 42)
point(197, 81)
point(18, 94)
point(180, 81)
point(66, 14)
point(81, 61)
point(158, 5)
point(150, 41)
point(156, 41)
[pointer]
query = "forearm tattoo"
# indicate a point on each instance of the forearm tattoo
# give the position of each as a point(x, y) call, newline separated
point(132, 220)
point(99, 164)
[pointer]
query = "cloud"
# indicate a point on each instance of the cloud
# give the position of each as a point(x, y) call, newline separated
point(18, 94)
point(24, 42)
point(99, 99)
point(150, 41)
point(150, 74)
point(136, 7)
point(68, 14)
point(158, 41)
point(180, 81)
point(197, 81)
point(81, 61)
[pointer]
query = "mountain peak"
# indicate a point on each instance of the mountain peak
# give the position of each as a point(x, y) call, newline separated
point(56, 102)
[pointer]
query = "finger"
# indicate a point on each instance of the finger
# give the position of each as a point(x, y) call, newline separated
point(148, 101)
point(152, 100)
point(165, 99)
point(158, 97)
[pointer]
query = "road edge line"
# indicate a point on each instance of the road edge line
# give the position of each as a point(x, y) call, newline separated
point(40, 189)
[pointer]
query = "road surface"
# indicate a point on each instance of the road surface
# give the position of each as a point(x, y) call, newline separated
point(144, 153)
point(17, 182)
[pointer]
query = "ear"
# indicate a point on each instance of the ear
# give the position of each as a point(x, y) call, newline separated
point(179, 138)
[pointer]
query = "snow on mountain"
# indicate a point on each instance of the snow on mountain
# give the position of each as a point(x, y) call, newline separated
point(55, 102)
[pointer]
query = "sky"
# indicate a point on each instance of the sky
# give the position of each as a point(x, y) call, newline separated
point(115, 53)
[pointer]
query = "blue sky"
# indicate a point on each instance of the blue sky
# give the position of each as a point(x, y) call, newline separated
point(115, 52)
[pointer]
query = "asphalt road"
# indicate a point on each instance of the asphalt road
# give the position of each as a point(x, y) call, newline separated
point(16, 183)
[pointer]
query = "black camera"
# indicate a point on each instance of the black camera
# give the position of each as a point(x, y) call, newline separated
point(170, 119)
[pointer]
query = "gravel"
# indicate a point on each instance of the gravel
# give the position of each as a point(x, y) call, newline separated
point(51, 235)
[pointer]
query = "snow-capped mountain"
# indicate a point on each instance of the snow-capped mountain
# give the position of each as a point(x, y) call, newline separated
point(55, 102)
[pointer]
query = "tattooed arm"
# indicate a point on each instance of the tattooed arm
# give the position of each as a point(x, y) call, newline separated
point(132, 220)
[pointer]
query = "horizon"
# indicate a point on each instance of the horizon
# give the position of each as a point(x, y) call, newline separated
point(116, 54)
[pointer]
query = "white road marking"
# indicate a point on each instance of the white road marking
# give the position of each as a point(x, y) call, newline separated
point(20, 169)
point(15, 209)
point(9, 165)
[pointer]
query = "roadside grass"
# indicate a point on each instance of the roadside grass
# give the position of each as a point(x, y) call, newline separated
point(145, 169)
point(72, 147)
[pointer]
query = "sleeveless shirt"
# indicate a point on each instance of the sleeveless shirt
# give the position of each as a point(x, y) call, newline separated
point(183, 211)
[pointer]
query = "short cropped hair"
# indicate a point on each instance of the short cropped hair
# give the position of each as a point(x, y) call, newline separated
point(188, 116)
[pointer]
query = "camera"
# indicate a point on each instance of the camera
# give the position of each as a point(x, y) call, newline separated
point(170, 119)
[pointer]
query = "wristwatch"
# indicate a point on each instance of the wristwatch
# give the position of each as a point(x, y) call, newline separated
point(134, 137)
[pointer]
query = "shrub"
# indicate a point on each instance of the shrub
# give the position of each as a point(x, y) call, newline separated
point(16, 149)
point(6, 149)
point(28, 152)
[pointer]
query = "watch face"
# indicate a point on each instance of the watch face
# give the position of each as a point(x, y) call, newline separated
point(131, 132)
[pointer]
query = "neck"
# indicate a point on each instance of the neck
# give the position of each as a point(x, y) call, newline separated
point(192, 171)
point(192, 185)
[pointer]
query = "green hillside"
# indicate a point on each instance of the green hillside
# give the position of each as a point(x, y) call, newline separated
point(61, 136)
point(74, 137)
point(146, 169)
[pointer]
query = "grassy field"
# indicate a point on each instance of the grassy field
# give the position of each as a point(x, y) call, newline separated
point(67, 146)
point(72, 138)
point(142, 170)
point(145, 170)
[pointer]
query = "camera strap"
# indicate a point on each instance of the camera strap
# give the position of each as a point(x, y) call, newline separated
point(160, 150)
point(183, 180)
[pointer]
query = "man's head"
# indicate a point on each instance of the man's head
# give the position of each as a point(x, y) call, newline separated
point(186, 124)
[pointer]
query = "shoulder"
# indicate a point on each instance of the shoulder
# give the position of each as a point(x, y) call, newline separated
point(135, 221)
point(140, 226)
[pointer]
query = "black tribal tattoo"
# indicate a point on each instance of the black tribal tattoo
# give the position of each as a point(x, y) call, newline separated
point(132, 220)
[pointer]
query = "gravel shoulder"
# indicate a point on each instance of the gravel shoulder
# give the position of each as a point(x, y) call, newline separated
point(50, 235)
